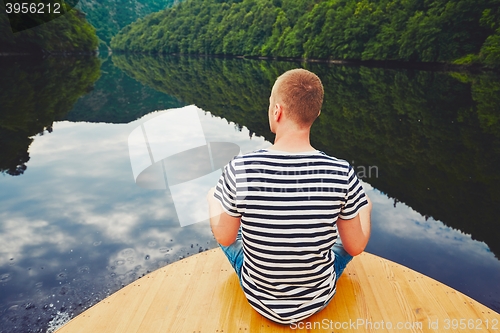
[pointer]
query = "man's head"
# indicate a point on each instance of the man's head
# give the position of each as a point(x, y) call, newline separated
point(300, 95)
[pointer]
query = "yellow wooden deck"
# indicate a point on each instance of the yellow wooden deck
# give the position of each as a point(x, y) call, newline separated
point(202, 294)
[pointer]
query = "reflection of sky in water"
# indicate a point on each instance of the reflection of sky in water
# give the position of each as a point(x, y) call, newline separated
point(191, 166)
point(75, 227)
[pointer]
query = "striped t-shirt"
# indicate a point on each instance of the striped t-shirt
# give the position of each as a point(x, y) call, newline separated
point(289, 204)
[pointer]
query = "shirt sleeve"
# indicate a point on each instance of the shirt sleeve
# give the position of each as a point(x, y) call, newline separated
point(225, 191)
point(355, 197)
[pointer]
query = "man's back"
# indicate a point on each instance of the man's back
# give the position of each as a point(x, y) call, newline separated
point(289, 204)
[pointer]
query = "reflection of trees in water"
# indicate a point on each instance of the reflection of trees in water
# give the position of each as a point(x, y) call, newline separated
point(426, 133)
point(32, 96)
point(117, 98)
point(236, 90)
point(435, 137)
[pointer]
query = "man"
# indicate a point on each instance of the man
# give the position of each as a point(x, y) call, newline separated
point(291, 202)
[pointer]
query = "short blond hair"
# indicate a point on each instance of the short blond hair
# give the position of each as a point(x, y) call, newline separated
point(301, 92)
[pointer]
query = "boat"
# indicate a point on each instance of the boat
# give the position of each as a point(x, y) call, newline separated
point(202, 294)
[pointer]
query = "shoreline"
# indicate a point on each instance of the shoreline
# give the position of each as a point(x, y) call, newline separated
point(389, 64)
point(45, 54)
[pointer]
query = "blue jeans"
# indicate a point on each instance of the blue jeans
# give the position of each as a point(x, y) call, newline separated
point(234, 254)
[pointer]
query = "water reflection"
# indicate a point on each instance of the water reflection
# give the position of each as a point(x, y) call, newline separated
point(33, 94)
point(434, 137)
point(117, 98)
point(171, 151)
point(75, 227)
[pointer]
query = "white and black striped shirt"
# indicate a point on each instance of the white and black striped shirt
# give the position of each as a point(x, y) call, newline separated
point(289, 204)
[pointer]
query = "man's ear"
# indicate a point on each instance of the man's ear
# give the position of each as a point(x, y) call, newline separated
point(278, 111)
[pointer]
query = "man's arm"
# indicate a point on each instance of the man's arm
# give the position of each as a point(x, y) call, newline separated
point(224, 226)
point(355, 232)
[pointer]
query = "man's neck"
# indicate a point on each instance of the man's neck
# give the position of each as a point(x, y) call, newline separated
point(293, 141)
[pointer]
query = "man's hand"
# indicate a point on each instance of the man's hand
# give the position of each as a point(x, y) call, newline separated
point(224, 226)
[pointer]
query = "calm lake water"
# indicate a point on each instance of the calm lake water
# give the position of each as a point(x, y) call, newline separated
point(75, 227)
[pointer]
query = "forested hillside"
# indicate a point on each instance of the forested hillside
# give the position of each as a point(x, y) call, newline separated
point(408, 30)
point(109, 16)
point(66, 32)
